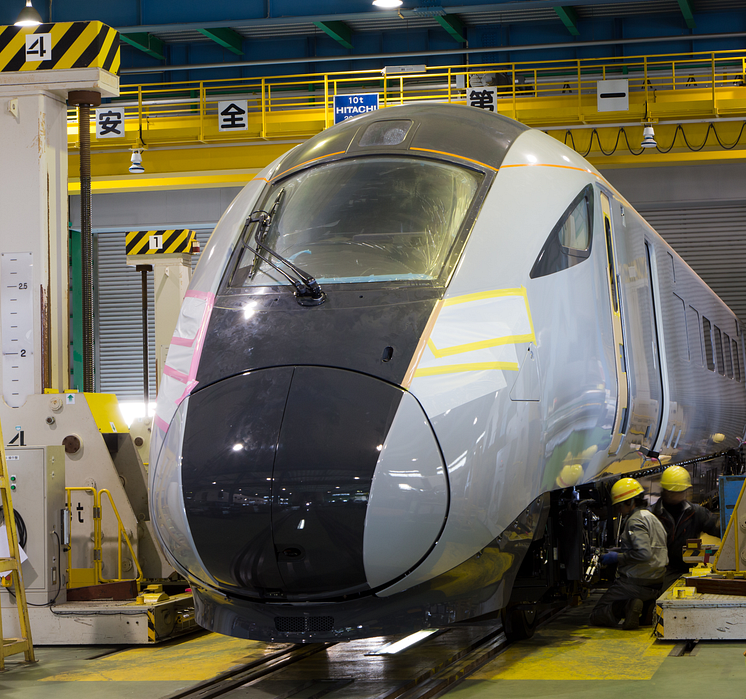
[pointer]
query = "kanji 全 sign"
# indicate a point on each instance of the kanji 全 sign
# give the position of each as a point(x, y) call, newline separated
point(110, 122)
point(232, 115)
point(346, 106)
point(483, 98)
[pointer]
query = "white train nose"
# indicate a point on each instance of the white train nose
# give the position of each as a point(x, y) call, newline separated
point(408, 497)
point(310, 482)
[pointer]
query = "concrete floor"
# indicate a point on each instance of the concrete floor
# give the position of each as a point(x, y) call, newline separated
point(569, 660)
point(564, 660)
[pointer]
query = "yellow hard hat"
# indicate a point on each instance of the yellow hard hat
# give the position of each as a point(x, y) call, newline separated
point(569, 475)
point(624, 489)
point(676, 479)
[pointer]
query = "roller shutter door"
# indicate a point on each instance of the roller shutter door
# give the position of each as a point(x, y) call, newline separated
point(712, 240)
point(119, 320)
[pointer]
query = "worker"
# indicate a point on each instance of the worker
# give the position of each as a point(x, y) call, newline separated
point(641, 559)
point(681, 519)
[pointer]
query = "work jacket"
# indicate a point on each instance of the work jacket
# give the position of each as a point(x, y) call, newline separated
point(643, 555)
point(694, 520)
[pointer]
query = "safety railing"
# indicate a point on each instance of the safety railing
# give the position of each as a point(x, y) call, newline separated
point(95, 572)
point(301, 105)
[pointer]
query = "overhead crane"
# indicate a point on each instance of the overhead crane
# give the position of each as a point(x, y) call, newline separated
point(177, 123)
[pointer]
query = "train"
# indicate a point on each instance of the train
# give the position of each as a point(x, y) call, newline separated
point(415, 351)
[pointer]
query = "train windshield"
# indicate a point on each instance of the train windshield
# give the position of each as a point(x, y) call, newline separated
point(364, 220)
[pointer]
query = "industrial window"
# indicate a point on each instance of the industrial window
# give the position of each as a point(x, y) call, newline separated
point(707, 337)
point(373, 219)
point(569, 243)
point(728, 358)
point(692, 329)
point(680, 319)
point(612, 269)
point(719, 350)
point(736, 360)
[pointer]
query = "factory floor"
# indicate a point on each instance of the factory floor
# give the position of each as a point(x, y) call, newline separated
point(565, 659)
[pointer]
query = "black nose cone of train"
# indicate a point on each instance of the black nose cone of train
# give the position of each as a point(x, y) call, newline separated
point(277, 470)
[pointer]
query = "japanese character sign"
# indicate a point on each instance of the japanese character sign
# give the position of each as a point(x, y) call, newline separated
point(483, 98)
point(110, 122)
point(232, 115)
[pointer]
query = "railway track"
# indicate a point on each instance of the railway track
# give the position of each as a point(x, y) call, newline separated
point(359, 669)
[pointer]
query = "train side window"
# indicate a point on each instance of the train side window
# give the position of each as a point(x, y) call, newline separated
point(680, 317)
point(728, 358)
point(569, 243)
point(612, 273)
point(719, 350)
point(692, 328)
point(707, 337)
point(736, 360)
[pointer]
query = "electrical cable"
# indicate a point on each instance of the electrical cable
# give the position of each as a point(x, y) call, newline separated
point(679, 128)
point(20, 527)
point(59, 579)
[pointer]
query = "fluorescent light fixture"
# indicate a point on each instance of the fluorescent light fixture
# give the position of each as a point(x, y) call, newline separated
point(386, 4)
point(397, 70)
point(404, 643)
point(29, 17)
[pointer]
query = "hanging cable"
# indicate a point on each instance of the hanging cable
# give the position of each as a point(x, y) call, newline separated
point(20, 527)
point(679, 128)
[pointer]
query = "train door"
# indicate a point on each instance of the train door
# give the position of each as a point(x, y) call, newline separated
point(620, 356)
point(656, 359)
point(643, 354)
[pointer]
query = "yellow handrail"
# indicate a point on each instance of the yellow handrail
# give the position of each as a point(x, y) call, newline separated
point(284, 106)
point(98, 537)
point(121, 533)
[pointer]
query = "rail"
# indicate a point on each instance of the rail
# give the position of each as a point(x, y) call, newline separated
point(538, 93)
point(96, 571)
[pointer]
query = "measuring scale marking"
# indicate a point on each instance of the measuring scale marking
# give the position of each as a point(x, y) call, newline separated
point(17, 321)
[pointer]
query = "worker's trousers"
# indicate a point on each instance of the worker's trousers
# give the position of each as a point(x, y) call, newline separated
point(610, 609)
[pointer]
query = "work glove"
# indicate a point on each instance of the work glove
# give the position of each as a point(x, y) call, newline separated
point(609, 558)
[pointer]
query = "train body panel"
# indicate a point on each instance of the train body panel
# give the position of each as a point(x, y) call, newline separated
point(494, 323)
point(503, 451)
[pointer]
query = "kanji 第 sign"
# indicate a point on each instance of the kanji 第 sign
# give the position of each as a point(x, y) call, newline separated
point(482, 98)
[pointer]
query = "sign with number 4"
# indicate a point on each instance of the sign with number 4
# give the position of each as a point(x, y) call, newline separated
point(38, 47)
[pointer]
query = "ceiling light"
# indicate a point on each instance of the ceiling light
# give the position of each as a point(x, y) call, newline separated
point(648, 138)
point(386, 4)
point(29, 17)
point(136, 167)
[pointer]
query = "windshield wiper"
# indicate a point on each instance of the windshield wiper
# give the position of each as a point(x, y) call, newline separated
point(307, 289)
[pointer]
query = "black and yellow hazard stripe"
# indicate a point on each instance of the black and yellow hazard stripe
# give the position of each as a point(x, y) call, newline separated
point(74, 45)
point(658, 629)
point(174, 241)
point(152, 635)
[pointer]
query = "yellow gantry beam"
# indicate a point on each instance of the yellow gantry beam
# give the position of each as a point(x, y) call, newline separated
point(185, 147)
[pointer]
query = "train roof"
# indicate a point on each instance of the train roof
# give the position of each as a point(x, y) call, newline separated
point(465, 132)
